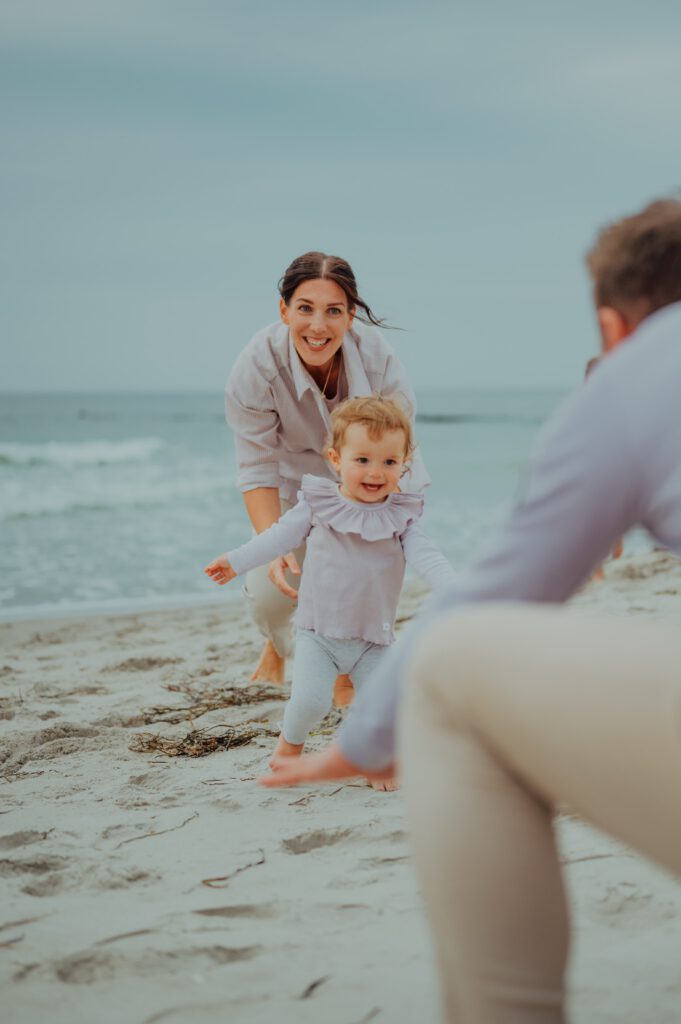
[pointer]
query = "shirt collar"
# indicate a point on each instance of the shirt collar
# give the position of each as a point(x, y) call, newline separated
point(355, 374)
point(301, 378)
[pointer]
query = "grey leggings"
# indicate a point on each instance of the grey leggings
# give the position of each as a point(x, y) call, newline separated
point(511, 710)
point(318, 660)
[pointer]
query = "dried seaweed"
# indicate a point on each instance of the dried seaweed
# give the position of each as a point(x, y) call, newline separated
point(200, 742)
point(202, 700)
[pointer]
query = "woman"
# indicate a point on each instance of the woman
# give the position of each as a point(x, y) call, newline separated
point(279, 396)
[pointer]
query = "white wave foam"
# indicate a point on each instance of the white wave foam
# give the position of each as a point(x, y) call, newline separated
point(90, 490)
point(83, 453)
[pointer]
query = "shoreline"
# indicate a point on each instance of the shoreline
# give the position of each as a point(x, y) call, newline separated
point(206, 895)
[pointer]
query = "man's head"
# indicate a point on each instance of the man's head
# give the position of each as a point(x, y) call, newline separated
point(635, 265)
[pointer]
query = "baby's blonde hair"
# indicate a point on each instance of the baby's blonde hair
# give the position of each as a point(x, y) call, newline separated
point(377, 414)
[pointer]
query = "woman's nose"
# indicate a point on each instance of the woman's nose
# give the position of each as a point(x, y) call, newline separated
point(318, 322)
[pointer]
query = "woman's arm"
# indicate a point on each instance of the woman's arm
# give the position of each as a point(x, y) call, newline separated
point(263, 507)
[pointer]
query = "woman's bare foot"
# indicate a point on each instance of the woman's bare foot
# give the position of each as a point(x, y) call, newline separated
point(270, 668)
point(343, 692)
point(385, 785)
point(285, 749)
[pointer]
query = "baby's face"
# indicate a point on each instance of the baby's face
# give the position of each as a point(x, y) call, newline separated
point(369, 469)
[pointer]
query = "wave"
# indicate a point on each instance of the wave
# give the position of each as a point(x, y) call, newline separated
point(465, 417)
point(94, 495)
point(83, 453)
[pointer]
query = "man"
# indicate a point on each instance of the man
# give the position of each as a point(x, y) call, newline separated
point(541, 705)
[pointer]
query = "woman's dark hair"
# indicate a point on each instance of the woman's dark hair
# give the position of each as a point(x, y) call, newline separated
point(313, 266)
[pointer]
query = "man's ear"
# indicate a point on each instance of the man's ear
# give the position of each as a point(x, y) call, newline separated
point(614, 326)
point(283, 311)
point(333, 457)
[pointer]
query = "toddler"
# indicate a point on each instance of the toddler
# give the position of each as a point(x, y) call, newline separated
point(360, 534)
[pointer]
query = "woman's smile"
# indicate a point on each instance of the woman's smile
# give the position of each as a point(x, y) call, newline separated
point(317, 316)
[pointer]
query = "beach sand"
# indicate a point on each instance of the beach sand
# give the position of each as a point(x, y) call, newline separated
point(141, 887)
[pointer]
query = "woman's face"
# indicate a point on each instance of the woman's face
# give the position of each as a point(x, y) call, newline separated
point(317, 316)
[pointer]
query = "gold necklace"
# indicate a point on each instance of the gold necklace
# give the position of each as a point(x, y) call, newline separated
point(328, 375)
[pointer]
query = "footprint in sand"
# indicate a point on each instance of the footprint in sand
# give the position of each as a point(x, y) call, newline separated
point(307, 841)
point(241, 910)
point(24, 838)
point(90, 966)
point(141, 664)
point(47, 871)
point(627, 902)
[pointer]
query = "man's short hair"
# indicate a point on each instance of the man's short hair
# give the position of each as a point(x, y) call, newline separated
point(636, 262)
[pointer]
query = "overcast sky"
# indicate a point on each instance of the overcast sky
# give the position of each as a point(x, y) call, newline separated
point(163, 162)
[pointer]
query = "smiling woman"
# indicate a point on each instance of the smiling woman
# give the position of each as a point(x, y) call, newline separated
point(325, 348)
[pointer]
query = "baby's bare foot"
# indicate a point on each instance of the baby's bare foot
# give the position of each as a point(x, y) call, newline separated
point(270, 668)
point(285, 749)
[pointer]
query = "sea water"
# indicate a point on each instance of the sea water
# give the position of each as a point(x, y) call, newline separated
point(116, 502)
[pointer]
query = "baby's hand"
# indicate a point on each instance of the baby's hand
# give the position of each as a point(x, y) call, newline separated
point(220, 570)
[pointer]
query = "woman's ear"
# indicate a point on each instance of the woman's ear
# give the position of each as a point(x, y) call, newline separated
point(283, 311)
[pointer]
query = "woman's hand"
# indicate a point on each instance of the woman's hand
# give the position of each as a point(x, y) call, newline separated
point(220, 571)
point(276, 573)
point(325, 766)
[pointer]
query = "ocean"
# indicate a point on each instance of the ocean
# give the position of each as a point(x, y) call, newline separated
point(116, 502)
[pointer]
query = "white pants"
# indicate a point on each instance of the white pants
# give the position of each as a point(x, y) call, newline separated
point(271, 610)
point(511, 710)
point(318, 660)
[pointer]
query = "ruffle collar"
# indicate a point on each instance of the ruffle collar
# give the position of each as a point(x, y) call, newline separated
point(372, 522)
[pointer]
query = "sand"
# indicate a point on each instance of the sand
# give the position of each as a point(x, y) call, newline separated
point(140, 887)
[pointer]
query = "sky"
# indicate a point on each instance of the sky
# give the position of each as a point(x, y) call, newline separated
point(163, 162)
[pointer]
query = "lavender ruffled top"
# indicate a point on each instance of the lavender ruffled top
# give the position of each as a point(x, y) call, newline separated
point(355, 559)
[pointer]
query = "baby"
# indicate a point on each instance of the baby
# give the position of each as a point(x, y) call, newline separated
point(360, 535)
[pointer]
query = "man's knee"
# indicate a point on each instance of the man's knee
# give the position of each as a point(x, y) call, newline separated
point(456, 657)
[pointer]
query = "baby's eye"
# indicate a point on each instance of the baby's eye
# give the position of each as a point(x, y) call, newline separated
point(391, 462)
point(362, 459)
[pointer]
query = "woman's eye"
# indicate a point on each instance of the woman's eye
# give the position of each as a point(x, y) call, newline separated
point(335, 311)
point(304, 308)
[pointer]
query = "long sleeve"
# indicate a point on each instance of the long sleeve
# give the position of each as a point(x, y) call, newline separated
point(580, 495)
point(395, 384)
point(283, 536)
point(425, 558)
point(251, 412)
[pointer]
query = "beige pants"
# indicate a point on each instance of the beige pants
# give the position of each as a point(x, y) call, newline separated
point(270, 609)
point(511, 710)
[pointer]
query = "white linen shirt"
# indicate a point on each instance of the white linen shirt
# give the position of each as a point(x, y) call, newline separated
point(608, 460)
point(280, 418)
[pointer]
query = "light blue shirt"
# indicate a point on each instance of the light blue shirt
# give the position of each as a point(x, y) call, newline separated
point(608, 460)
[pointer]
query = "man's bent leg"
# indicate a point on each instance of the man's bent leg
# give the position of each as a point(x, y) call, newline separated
point(536, 705)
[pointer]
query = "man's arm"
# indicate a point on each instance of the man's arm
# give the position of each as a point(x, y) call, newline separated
point(579, 496)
